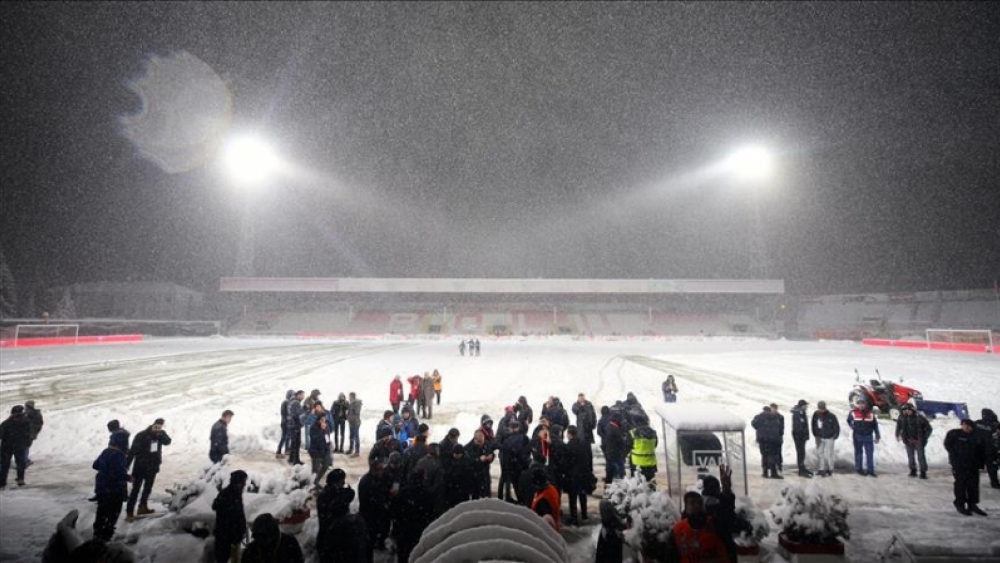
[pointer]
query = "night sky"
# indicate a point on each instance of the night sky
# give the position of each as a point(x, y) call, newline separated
point(519, 139)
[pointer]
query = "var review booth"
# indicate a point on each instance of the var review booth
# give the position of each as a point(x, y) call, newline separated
point(697, 438)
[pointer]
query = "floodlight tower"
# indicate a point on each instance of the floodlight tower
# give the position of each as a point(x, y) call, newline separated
point(249, 163)
point(753, 167)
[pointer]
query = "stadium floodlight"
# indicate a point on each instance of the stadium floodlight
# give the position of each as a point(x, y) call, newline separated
point(751, 164)
point(249, 160)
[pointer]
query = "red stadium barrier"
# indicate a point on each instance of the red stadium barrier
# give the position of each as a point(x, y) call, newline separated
point(69, 340)
point(951, 346)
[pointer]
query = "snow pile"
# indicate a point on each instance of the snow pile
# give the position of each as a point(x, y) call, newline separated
point(490, 530)
point(809, 515)
point(276, 493)
point(650, 514)
point(751, 524)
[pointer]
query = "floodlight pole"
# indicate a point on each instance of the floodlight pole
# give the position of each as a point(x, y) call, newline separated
point(245, 252)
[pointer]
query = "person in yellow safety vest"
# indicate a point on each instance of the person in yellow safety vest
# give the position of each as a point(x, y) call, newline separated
point(644, 444)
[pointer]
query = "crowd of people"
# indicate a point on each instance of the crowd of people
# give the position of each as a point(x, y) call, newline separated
point(411, 480)
point(973, 446)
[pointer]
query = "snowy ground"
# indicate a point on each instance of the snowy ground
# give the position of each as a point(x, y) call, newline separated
point(190, 381)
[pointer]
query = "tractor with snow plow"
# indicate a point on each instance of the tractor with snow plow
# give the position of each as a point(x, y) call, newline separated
point(888, 397)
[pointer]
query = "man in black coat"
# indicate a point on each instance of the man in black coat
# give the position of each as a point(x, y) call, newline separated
point(989, 427)
point(412, 511)
point(800, 435)
point(15, 437)
point(459, 480)
point(581, 474)
point(769, 427)
point(525, 416)
point(481, 456)
point(515, 457)
point(269, 545)
point(35, 423)
point(374, 493)
point(230, 519)
point(586, 418)
point(966, 456)
point(913, 430)
point(294, 422)
point(341, 538)
point(615, 448)
point(145, 457)
point(219, 437)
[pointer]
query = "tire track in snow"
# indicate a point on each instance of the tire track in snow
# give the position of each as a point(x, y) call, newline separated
point(170, 380)
point(750, 390)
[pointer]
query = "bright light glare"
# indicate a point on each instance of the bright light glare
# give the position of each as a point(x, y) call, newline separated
point(752, 164)
point(249, 160)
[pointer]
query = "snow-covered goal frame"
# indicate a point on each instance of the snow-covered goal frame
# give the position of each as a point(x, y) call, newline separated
point(681, 420)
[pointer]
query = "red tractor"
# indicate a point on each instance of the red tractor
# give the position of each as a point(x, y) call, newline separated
point(888, 396)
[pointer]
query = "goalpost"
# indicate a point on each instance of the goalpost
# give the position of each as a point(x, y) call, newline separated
point(69, 332)
point(959, 338)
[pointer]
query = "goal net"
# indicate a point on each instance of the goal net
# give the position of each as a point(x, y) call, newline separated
point(960, 339)
point(68, 333)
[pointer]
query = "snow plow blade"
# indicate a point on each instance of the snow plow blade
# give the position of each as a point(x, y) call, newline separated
point(933, 409)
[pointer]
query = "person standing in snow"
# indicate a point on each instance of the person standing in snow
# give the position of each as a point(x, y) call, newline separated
point(644, 442)
point(319, 447)
point(437, 385)
point(230, 519)
point(525, 416)
point(339, 413)
point(610, 541)
point(285, 432)
point(461, 348)
point(615, 448)
point(145, 457)
point(219, 437)
point(586, 418)
point(669, 389)
point(15, 437)
point(966, 456)
point(781, 437)
point(354, 422)
point(826, 430)
point(989, 427)
point(396, 393)
point(913, 430)
point(800, 435)
point(294, 422)
point(864, 425)
point(427, 390)
point(111, 485)
point(35, 423)
point(269, 545)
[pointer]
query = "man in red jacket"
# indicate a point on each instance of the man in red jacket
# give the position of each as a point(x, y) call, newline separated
point(694, 538)
point(396, 394)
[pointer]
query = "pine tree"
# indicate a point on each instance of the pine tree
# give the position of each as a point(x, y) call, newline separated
point(8, 289)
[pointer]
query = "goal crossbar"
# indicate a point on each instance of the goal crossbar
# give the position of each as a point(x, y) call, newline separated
point(69, 332)
point(960, 339)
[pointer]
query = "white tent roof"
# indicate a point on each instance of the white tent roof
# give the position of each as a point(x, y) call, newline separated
point(700, 416)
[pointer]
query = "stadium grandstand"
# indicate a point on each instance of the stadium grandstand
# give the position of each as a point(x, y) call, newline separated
point(503, 307)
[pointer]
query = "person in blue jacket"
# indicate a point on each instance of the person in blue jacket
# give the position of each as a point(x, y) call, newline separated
point(112, 485)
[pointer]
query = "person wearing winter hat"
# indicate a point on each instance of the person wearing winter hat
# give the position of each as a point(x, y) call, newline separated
point(15, 437)
point(913, 430)
point(230, 519)
point(111, 485)
point(269, 545)
point(966, 456)
point(35, 423)
point(864, 426)
point(800, 435)
point(459, 480)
